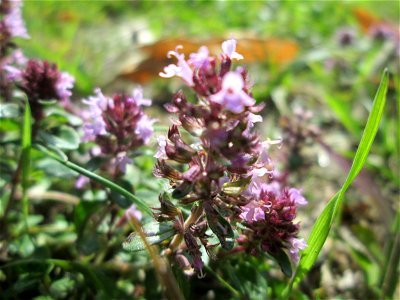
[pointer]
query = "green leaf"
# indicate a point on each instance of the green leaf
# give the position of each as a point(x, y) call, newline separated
point(9, 110)
point(65, 138)
point(54, 169)
point(236, 187)
point(61, 116)
point(47, 102)
point(284, 262)
point(60, 288)
point(324, 222)
point(182, 190)
point(221, 227)
point(155, 233)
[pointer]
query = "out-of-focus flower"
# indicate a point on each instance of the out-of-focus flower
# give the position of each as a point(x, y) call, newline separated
point(41, 80)
point(297, 197)
point(296, 246)
point(162, 142)
point(96, 125)
point(117, 124)
point(345, 36)
point(64, 85)
point(232, 96)
point(144, 128)
point(200, 59)
point(81, 182)
point(12, 24)
point(137, 96)
point(121, 160)
point(13, 73)
point(134, 212)
point(18, 58)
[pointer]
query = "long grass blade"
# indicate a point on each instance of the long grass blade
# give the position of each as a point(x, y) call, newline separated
point(324, 222)
point(62, 158)
point(26, 158)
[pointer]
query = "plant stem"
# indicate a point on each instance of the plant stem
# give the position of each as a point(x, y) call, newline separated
point(390, 276)
point(194, 216)
point(223, 282)
point(163, 271)
point(11, 198)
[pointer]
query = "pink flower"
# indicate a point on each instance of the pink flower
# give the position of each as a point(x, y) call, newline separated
point(297, 197)
point(182, 69)
point(232, 96)
point(13, 73)
point(121, 160)
point(200, 59)
point(19, 58)
point(254, 211)
point(162, 142)
point(13, 21)
point(133, 212)
point(296, 246)
point(229, 47)
point(253, 118)
point(81, 182)
point(64, 85)
point(40, 80)
point(137, 95)
point(144, 128)
point(95, 124)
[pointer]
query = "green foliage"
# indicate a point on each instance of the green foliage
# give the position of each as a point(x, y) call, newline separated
point(50, 218)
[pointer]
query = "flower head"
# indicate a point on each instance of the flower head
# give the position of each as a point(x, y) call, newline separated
point(41, 80)
point(221, 164)
point(232, 96)
point(117, 124)
point(295, 246)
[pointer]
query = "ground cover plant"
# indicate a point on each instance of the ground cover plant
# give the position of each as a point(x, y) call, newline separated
point(150, 153)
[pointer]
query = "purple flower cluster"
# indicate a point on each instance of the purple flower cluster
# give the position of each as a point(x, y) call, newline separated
point(39, 80)
point(117, 124)
point(12, 24)
point(269, 218)
point(223, 169)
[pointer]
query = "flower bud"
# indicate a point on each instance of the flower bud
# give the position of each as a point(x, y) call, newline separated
point(163, 170)
point(168, 211)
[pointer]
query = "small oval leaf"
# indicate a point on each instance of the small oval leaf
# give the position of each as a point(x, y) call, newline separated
point(65, 138)
point(155, 233)
point(236, 187)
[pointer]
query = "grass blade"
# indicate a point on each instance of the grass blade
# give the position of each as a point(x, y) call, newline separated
point(62, 158)
point(324, 222)
point(26, 158)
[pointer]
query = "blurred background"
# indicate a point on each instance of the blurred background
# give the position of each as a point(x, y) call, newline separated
point(315, 65)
